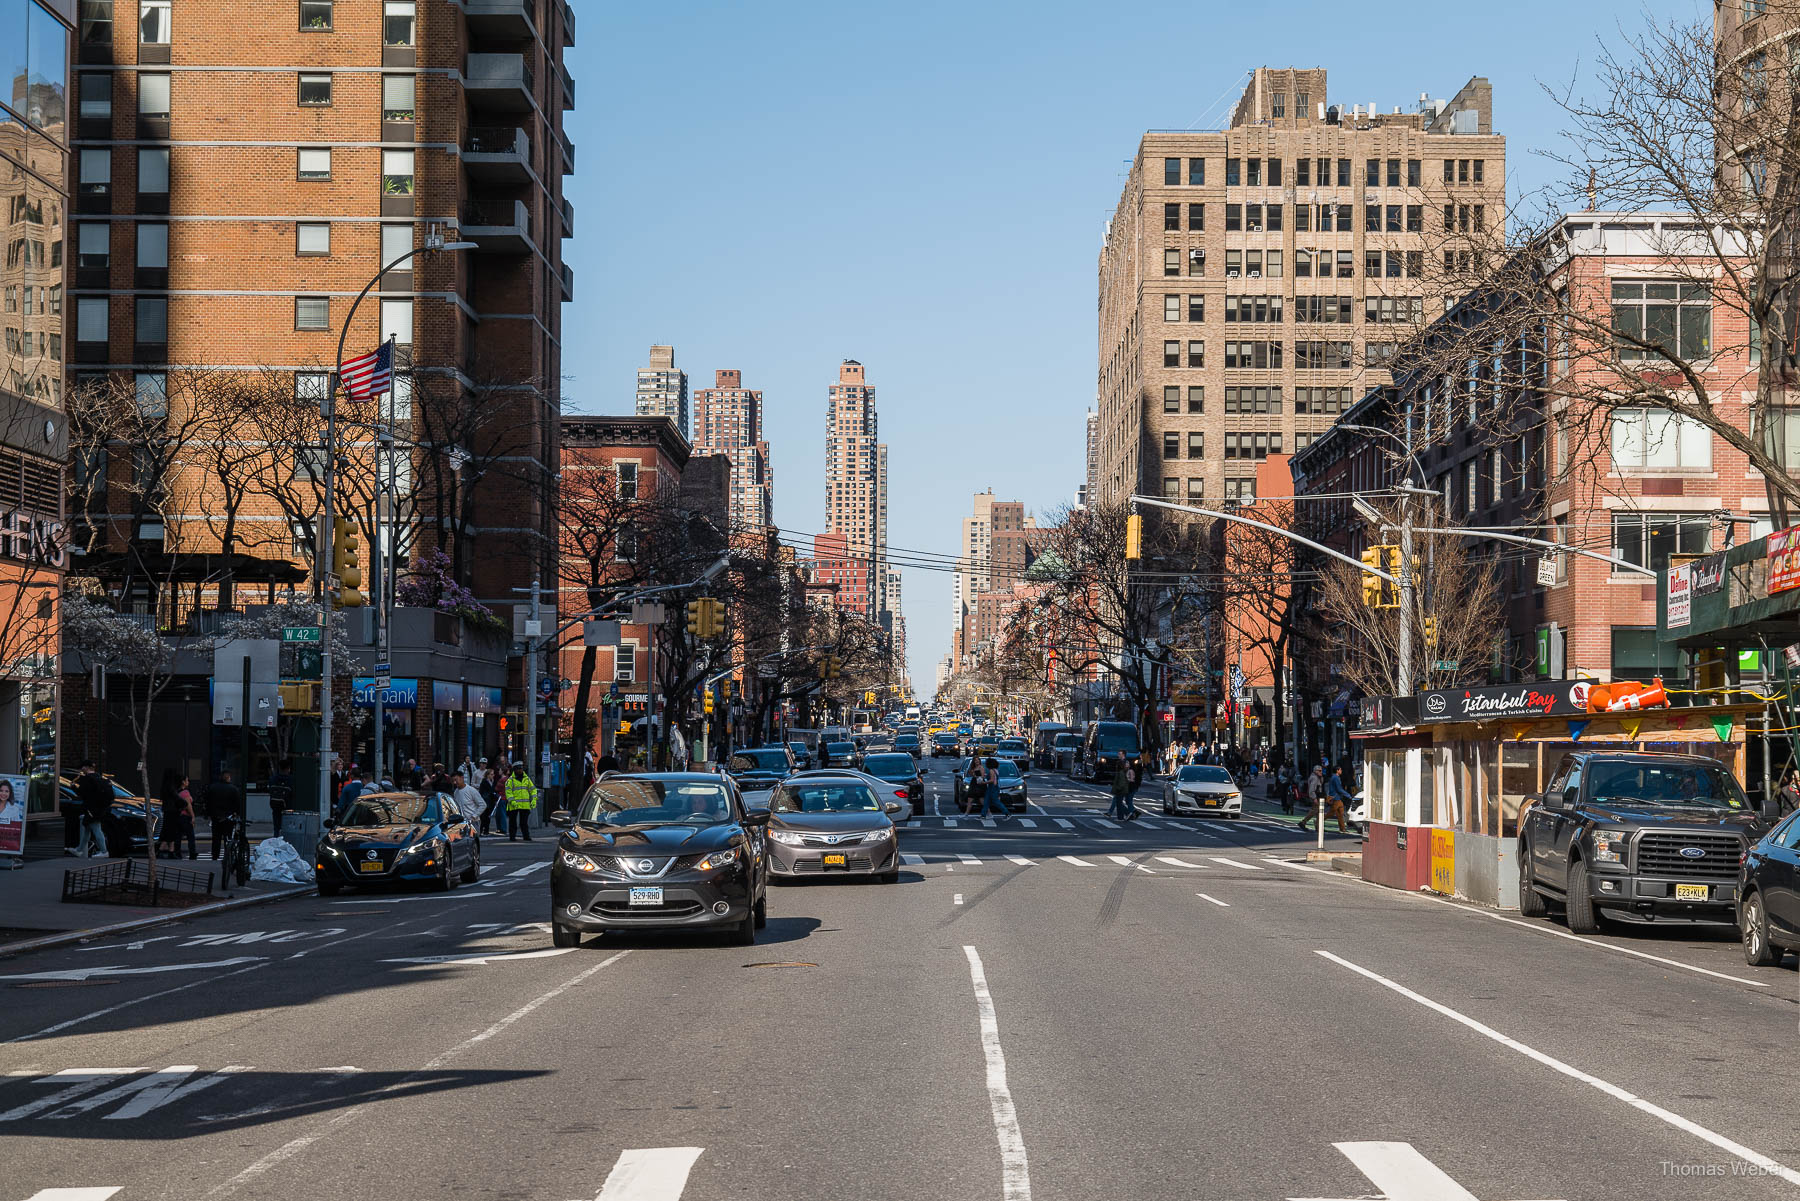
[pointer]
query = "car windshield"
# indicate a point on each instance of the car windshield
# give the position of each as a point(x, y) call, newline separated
point(1013, 744)
point(889, 765)
point(840, 748)
point(1117, 739)
point(396, 810)
point(1066, 740)
point(907, 740)
point(762, 759)
point(836, 797)
point(637, 800)
point(1203, 775)
point(1641, 782)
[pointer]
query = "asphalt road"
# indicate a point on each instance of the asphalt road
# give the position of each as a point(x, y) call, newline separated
point(1066, 1010)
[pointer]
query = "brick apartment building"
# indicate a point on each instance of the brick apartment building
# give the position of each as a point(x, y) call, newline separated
point(1255, 280)
point(244, 170)
point(728, 420)
point(855, 495)
point(1635, 485)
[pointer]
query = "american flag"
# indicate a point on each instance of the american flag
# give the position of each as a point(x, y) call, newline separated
point(369, 375)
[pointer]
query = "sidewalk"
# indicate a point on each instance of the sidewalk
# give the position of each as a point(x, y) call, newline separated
point(33, 914)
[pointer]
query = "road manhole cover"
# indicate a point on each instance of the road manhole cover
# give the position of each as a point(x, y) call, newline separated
point(63, 983)
point(795, 963)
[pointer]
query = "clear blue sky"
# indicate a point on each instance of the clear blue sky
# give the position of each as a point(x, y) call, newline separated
point(775, 186)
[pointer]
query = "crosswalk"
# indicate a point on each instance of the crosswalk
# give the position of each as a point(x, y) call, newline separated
point(1064, 825)
point(1152, 865)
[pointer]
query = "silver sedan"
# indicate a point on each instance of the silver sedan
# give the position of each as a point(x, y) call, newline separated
point(831, 825)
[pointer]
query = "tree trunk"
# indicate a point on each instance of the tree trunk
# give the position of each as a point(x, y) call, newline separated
point(582, 739)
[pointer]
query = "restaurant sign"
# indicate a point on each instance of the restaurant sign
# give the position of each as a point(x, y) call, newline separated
point(1783, 551)
point(1542, 698)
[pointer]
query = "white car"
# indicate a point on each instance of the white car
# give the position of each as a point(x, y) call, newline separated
point(895, 793)
point(1197, 788)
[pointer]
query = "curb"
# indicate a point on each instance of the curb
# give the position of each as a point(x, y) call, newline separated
point(68, 937)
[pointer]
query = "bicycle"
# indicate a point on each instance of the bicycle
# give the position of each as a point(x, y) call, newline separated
point(235, 862)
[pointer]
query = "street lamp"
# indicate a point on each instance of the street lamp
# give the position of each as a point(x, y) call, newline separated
point(434, 242)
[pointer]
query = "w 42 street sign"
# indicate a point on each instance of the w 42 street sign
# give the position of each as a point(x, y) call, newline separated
point(300, 633)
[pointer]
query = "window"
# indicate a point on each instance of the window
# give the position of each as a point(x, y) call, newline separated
point(1462, 170)
point(1372, 218)
point(1196, 445)
point(152, 319)
point(93, 244)
point(96, 22)
point(1302, 104)
point(1172, 398)
point(1470, 487)
point(153, 245)
point(91, 324)
point(1196, 354)
point(153, 170)
point(1253, 355)
point(1274, 173)
point(1559, 533)
point(1278, 104)
point(1303, 172)
point(1273, 218)
point(1648, 539)
point(1196, 400)
point(153, 22)
point(1171, 307)
point(1322, 400)
point(1196, 170)
point(151, 390)
point(1196, 490)
point(96, 95)
point(1171, 487)
point(1196, 308)
point(628, 480)
point(1233, 172)
point(311, 387)
point(1196, 216)
point(1754, 9)
point(314, 163)
point(96, 172)
point(1171, 217)
point(396, 173)
point(1343, 174)
point(315, 89)
point(1252, 401)
point(1478, 166)
point(398, 22)
point(1497, 478)
point(1412, 172)
point(397, 97)
point(1675, 316)
point(1372, 264)
point(1449, 220)
point(1171, 354)
point(312, 312)
point(1171, 444)
point(1171, 171)
point(1657, 438)
point(1253, 217)
point(625, 660)
point(1171, 262)
point(1346, 264)
point(397, 321)
point(1241, 488)
point(153, 95)
point(313, 237)
point(1253, 176)
point(1372, 173)
point(1393, 173)
point(1303, 262)
point(1234, 217)
point(315, 15)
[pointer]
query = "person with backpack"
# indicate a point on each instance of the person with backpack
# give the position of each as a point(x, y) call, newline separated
point(1121, 790)
point(221, 800)
point(96, 796)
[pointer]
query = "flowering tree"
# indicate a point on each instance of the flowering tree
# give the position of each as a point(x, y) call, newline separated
point(432, 585)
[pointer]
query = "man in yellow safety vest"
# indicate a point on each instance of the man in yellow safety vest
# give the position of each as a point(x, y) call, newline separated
point(521, 799)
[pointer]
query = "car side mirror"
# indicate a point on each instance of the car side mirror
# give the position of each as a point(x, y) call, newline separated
point(563, 818)
point(330, 825)
point(756, 817)
point(891, 807)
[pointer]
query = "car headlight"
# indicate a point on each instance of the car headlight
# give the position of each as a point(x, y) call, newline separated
point(881, 835)
point(579, 862)
point(1231, 796)
point(430, 844)
point(723, 857)
point(786, 838)
point(1609, 846)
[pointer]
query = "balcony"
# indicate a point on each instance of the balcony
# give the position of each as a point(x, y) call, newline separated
point(498, 153)
point(500, 226)
point(568, 217)
point(499, 82)
point(568, 151)
point(568, 24)
point(568, 282)
point(568, 85)
point(508, 20)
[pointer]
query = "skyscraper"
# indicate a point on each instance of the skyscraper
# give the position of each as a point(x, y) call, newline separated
point(856, 487)
point(728, 420)
point(662, 391)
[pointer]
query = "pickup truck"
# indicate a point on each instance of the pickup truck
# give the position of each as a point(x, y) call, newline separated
point(1653, 835)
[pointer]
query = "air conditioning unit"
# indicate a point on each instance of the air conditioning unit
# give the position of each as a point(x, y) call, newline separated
point(1255, 229)
point(1199, 256)
point(1231, 274)
point(1256, 275)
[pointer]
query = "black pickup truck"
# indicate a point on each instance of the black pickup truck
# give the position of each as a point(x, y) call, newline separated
point(1655, 835)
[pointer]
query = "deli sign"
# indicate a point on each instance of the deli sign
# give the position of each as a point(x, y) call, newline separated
point(1545, 698)
point(1783, 550)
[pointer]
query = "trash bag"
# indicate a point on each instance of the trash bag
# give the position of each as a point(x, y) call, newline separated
point(277, 861)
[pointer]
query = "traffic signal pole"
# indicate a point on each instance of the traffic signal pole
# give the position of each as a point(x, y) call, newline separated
point(1403, 673)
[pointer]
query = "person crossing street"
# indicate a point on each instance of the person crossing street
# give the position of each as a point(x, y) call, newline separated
point(521, 799)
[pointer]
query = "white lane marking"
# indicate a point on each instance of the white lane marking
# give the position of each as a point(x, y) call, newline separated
point(967, 858)
point(1214, 900)
point(1027, 823)
point(1402, 1173)
point(1020, 859)
point(1215, 826)
point(1065, 823)
point(478, 959)
point(949, 823)
point(138, 945)
point(649, 1174)
point(1147, 824)
point(914, 824)
point(957, 899)
point(911, 860)
point(1249, 867)
point(83, 973)
point(91, 1193)
point(295, 1146)
point(1174, 862)
point(1301, 867)
point(328, 1077)
point(79, 1080)
point(1015, 1172)
point(1034, 807)
point(153, 1091)
point(539, 866)
point(1121, 860)
point(1738, 1150)
point(1108, 824)
point(1075, 861)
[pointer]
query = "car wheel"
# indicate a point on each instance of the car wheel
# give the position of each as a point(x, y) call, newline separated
point(892, 877)
point(327, 888)
point(1531, 901)
point(1758, 950)
point(1582, 916)
point(1168, 809)
point(446, 880)
point(474, 871)
point(762, 913)
point(744, 933)
point(562, 937)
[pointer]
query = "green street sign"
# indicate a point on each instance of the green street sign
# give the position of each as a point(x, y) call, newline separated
point(308, 663)
point(300, 633)
point(1446, 665)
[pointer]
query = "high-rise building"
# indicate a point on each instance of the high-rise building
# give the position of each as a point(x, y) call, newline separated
point(662, 389)
point(728, 420)
point(1255, 281)
point(856, 488)
point(1093, 455)
point(242, 175)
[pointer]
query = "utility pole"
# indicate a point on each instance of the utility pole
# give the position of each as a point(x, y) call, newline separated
point(1403, 673)
point(534, 628)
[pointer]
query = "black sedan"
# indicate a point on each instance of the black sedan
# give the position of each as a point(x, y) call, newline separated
point(760, 768)
point(131, 817)
point(901, 769)
point(655, 851)
point(395, 837)
point(1769, 895)
point(943, 743)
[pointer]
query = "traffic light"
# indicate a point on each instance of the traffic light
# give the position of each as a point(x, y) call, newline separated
point(709, 702)
point(696, 618)
point(1134, 537)
point(1431, 634)
point(344, 545)
point(1371, 583)
point(715, 616)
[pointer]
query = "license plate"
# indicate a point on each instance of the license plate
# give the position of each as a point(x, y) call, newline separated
point(837, 861)
point(1210, 803)
point(646, 896)
point(369, 865)
point(1691, 892)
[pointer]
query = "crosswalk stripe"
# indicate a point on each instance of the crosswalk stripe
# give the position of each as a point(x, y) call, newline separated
point(914, 824)
point(80, 1080)
point(1121, 860)
point(1075, 861)
point(1065, 823)
point(1028, 823)
point(949, 823)
point(988, 822)
point(1216, 826)
point(1103, 822)
point(1147, 824)
point(528, 869)
point(650, 1174)
point(967, 858)
point(1214, 900)
point(92, 1193)
point(1169, 859)
point(1020, 859)
point(1249, 867)
point(912, 860)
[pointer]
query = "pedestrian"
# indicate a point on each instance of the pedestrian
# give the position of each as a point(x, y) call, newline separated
point(521, 798)
point(1172, 758)
point(1788, 799)
point(281, 791)
point(990, 793)
point(440, 779)
point(1311, 793)
point(169, 796)
point(69, 804)
point(974, 785)
point(411, 775)
point(1135, 780)
point(469, 800)
point(1338, 798)
point(96, 797)
point(352, 789)
point(221, 801)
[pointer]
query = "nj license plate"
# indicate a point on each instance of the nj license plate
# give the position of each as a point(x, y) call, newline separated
point(646, 896)
point(836, 861)
point(369, 865)
point(1692, 892)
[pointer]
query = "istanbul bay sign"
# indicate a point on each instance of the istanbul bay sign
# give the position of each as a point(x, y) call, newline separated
point(1540, 698)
